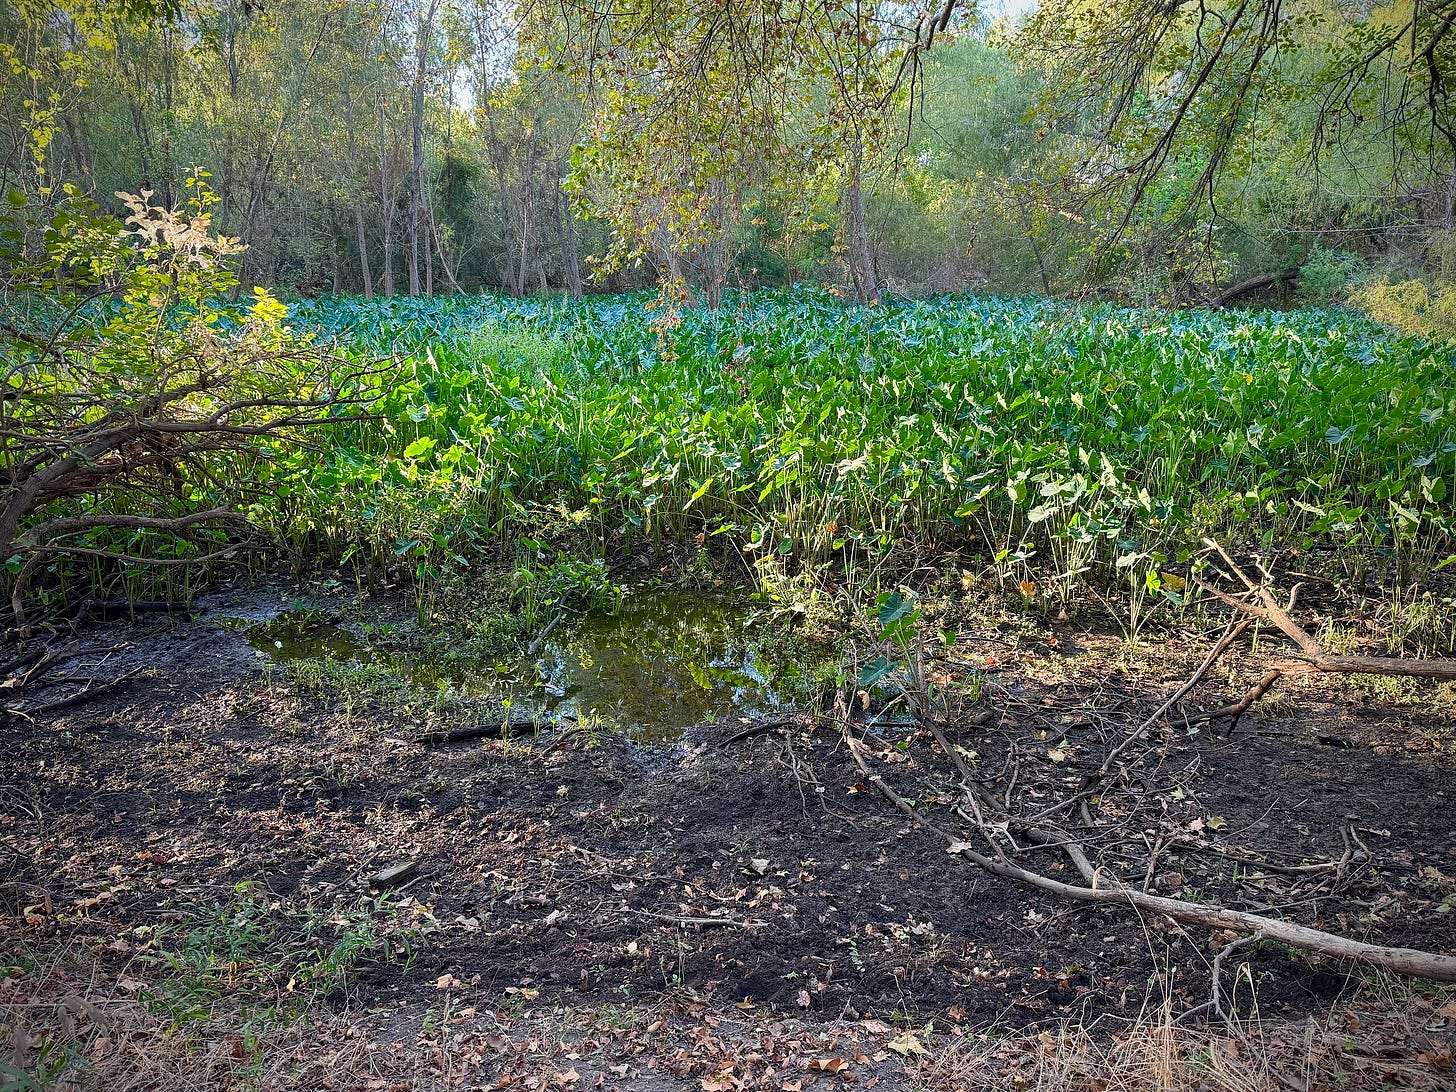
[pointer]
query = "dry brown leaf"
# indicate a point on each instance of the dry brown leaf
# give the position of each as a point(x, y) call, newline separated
point(907, 1045)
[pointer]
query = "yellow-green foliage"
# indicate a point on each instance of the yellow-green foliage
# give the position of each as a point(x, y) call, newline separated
point(1413, 306)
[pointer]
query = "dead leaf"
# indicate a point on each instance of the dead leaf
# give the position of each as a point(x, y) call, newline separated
point(829, 1065)
point(907, 1045)
point(446, 981)
point(1436, 1059)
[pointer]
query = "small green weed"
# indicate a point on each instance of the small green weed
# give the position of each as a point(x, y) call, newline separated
point(252, 948)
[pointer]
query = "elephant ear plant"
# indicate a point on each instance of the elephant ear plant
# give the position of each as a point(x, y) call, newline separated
point(138, 400)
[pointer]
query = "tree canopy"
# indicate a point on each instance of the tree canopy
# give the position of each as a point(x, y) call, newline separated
point(1177, 151)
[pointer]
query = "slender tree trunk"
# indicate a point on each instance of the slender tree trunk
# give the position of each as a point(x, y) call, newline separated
point(497, 155)
point(865, 287)
point(81, 144)
point(229, 166)
point(386, 207)
point(142, 143)
point(417, 185)
point(570, 260)
point(528, 218)
point(363, 252)
point(452, 273)
point(715, 270)
point(525, 227)
point(508, 274)
point(168, 66)
point(1029, 231)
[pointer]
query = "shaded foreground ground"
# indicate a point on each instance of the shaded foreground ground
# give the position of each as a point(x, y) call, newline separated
point(588, 912)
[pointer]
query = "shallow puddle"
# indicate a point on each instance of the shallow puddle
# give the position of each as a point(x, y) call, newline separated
point(660, 664)
point(301, 635)
point(666, 662)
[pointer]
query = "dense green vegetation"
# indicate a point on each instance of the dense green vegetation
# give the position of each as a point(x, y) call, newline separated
point(785, 439)
point(1058, 443)
point(856, 379)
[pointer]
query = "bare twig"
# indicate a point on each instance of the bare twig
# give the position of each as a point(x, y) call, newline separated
point(1102, 888)
point(1315, 658)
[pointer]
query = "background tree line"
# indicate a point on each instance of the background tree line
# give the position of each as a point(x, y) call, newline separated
point(1187, 152)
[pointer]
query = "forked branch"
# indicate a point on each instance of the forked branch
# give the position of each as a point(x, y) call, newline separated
point(1266, 607)
point(1103, 888)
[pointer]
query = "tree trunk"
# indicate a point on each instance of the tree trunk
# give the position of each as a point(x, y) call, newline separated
point(1253, 284)
point(715, 270)
point(528, 217)
point(229, 170)
point(386, 207)
point(570, 260)
point(496, 153)
point(168, 118)
point(364, 274)
point(417, 183)
point(1041, 265)
point(866, 289)
point(452, 274)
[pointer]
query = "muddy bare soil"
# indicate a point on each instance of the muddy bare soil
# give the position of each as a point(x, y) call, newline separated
point(559, 867)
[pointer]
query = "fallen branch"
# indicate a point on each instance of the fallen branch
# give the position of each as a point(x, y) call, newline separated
point(23, 670)
point(90, 692)
point(1409, 961)
point(763, 727)
point(103, 609)
point(1315, 658)
point(463, 735)
point(393, 875)
point(1230, 634)
point(1253, 284)
point(541, 637)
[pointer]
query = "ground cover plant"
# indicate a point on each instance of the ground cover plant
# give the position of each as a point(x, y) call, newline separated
point(1060, 444)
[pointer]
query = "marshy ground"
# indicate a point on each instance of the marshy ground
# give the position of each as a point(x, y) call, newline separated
point(241, 868)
